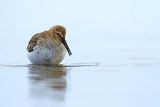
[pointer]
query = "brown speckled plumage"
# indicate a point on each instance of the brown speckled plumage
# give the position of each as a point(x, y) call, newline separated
point(48, 46)
point(36, 40)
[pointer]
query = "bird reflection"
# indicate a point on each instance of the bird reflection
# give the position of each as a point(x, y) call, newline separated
point(48, 82)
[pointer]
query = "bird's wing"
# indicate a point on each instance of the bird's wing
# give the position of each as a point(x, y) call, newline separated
point(35, 40)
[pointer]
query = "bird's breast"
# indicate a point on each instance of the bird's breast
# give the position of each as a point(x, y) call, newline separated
point(47, 52)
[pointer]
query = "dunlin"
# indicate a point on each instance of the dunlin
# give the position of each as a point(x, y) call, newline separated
point(48, 47)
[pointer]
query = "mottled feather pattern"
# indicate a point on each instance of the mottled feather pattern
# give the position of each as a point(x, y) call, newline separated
point(37, 39)
point(48, 47)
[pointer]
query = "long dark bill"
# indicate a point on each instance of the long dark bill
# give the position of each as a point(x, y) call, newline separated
point(66, 46)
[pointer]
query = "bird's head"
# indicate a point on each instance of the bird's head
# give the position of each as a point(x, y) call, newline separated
point(58, 33)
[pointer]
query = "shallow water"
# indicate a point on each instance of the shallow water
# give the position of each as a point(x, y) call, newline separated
point(115, 61)
point(79, 85)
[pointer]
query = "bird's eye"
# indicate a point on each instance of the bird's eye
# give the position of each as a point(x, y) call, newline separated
point(58, 34)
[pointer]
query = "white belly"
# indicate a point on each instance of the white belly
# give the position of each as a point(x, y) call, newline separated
point(49, 53)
